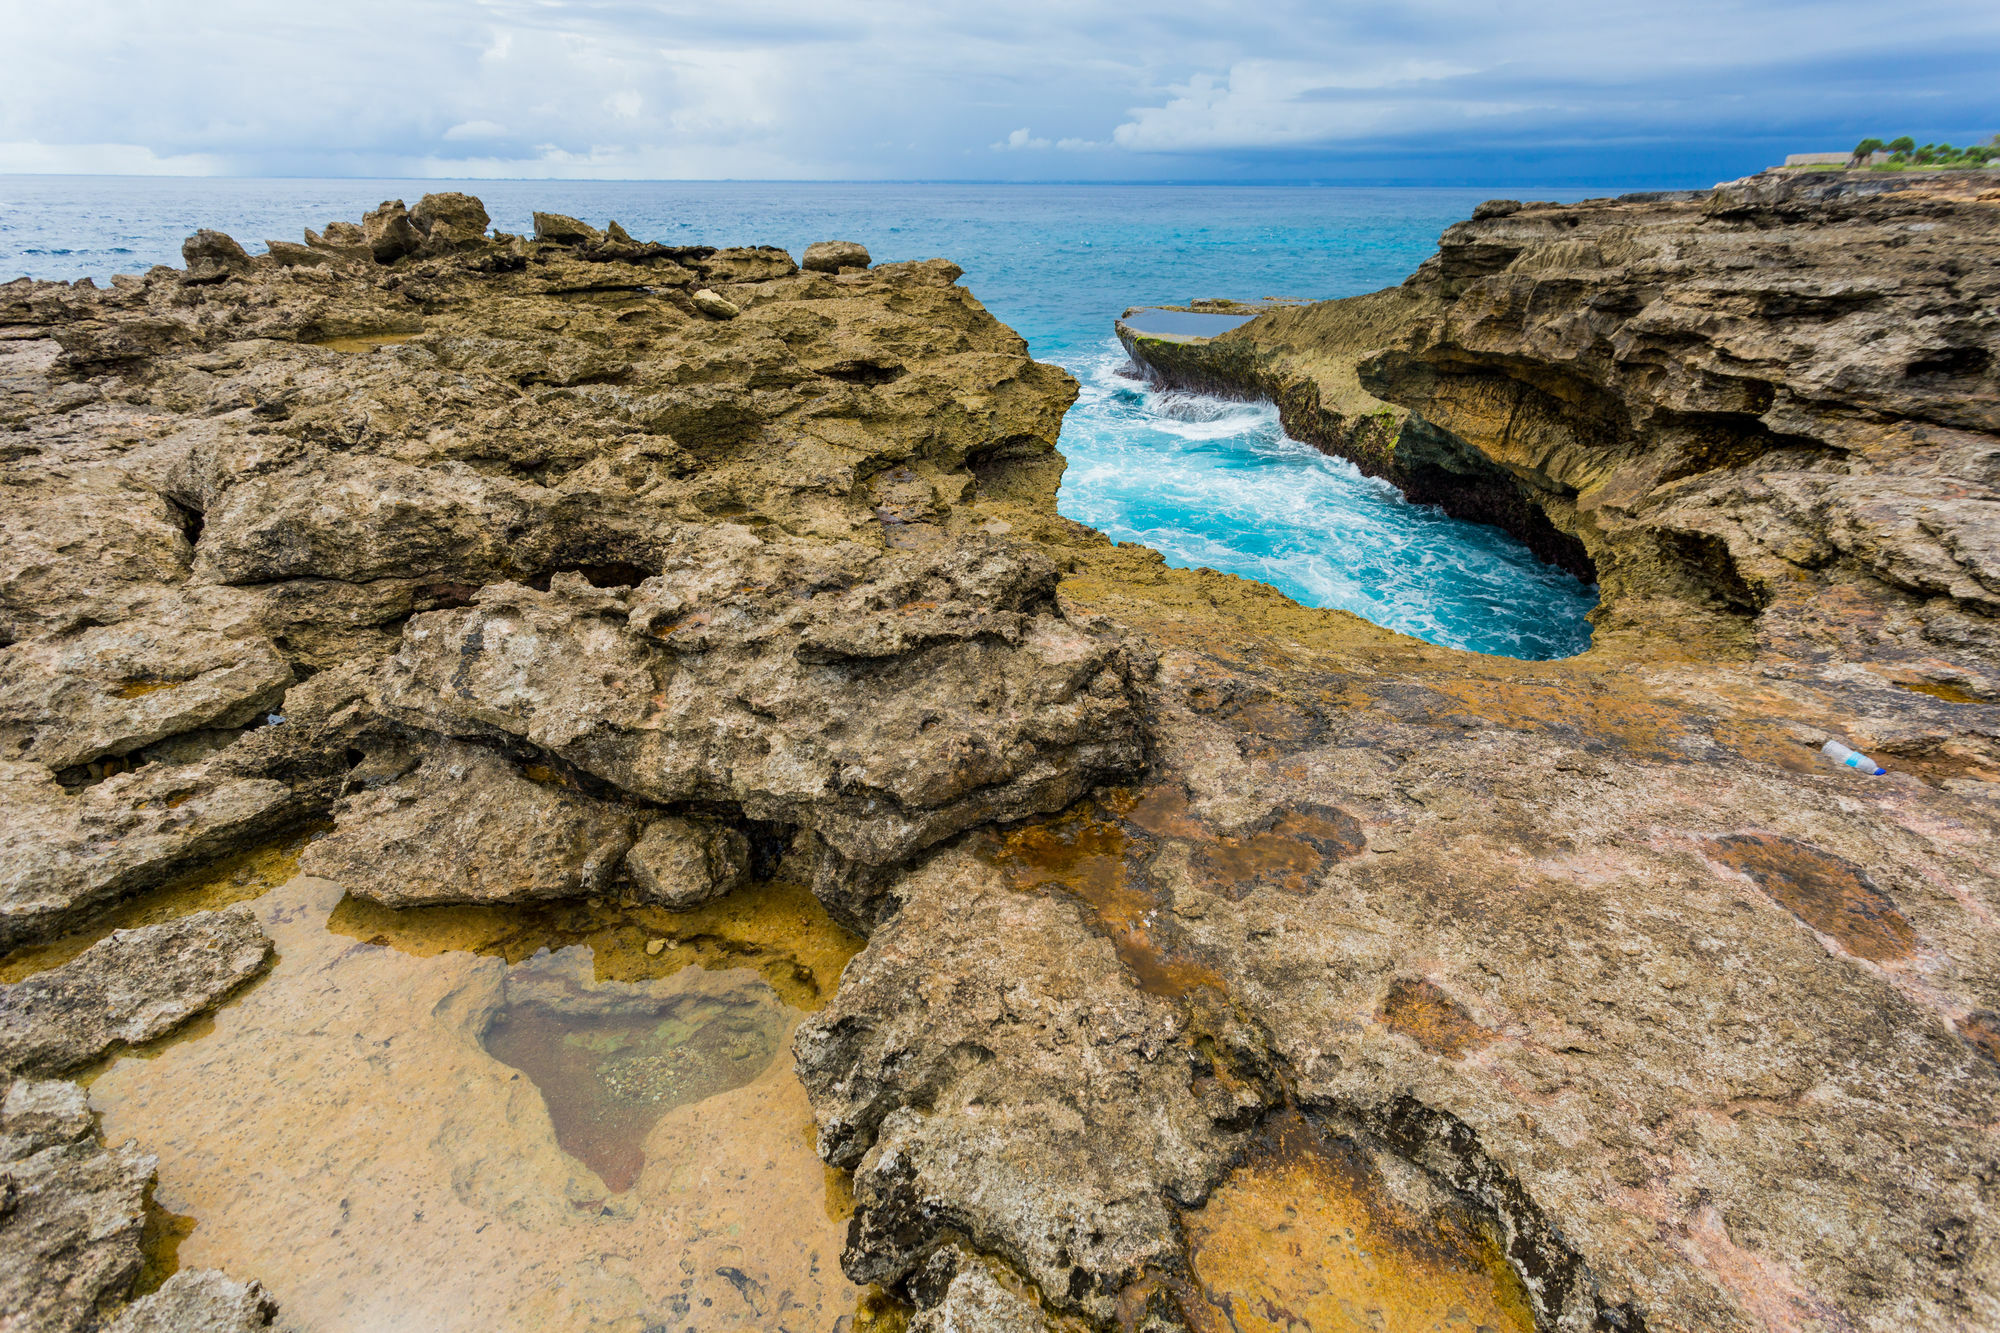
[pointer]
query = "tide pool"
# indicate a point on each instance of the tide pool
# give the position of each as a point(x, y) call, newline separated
point(1206, 482)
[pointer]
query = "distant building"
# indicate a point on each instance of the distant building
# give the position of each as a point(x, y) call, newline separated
point(1831, 159)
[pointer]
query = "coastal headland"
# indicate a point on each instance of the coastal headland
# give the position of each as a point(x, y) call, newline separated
point(1222, 962)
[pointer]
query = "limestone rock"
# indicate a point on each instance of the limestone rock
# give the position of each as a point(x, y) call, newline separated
point(71, 1211)
point(761, 263)
point(679, 864)
point(128, 988)
point(389, 232)
point(65, 856)
point(1061, 1114)
point(468, 826)
point(883, 701)
point(343, 240)
point(465, 215)
point(212, 256)
point(199, 1300)
point(719, 307)
point(559, 229)
point(976, 1302)
point(833, 256)
point(113, 689)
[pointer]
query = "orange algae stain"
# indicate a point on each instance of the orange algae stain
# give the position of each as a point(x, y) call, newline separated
point(1603, 708)
point(1310, 1237)
point(1432, 1019)
point(1768, 743)
point(1288, 855)
point(777, 928)
point(1951, 694)
point(1981, 1031)
point(160, 1237)
point(239, 877)
point(1832, 896)
point(1096, 860)
point(134, 689)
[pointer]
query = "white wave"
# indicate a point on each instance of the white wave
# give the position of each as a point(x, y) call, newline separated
point(1215, 482)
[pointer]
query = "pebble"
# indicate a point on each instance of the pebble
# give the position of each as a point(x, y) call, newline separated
point(653, 947)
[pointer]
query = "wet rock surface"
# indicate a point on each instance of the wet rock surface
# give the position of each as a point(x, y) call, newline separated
point(199, 1301)
point(353, 1134)
point(71, 1209)
point(128, 988)
point(1697, 1017)
point(1225, 957)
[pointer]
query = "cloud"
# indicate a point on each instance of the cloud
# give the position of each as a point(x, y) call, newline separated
point(474, 129)
point(1019, 140)
point(909, 89)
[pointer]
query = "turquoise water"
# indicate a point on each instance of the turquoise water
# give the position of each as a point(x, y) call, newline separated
point(1204, 481)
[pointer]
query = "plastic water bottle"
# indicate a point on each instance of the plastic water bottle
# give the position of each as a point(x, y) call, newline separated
point(1840, 754)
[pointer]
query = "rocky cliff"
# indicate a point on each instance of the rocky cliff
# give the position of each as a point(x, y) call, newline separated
point(1224, 955)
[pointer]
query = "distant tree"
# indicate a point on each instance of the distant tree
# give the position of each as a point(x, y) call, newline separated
point(1902, 144)
point(1867, 148)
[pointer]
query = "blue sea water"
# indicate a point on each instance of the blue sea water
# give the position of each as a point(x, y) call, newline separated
point(1205, 481)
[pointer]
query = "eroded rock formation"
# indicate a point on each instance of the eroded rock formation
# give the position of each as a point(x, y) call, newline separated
point(584, 565)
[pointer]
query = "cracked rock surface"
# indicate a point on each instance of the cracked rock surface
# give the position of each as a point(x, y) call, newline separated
point(128, 988)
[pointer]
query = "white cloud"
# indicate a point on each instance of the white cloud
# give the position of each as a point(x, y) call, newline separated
point(817, 88)
point(474, 129)
point(1019, 140)
point(103, 159)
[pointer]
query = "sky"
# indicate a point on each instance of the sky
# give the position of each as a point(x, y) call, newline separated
point(1433, 91)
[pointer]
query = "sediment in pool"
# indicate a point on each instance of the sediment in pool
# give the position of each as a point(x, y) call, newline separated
point(351, 1131)
point(1316, 1234)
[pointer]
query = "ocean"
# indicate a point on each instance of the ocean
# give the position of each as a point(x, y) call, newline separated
point(1208, 482)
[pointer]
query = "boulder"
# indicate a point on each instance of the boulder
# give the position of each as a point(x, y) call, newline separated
point(716, 307)
point(114, 689)
point(463, 213)
point(469, 826)
point(389, 232)
point(833, 256)
point(212, 256)
point(343, 239)
point(560, 229)
point(678, 864)
point(987, 1069)
point(71, 1211)
point(937, 690)
point(65, 856)
point(199, 1300)
point(130, 987)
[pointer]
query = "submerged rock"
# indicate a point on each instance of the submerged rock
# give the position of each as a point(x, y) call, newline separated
point(199, 1301)
point(71, 1210)
point(128, 988)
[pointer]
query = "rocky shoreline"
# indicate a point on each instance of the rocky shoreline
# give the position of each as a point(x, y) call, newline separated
point(575, 567)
